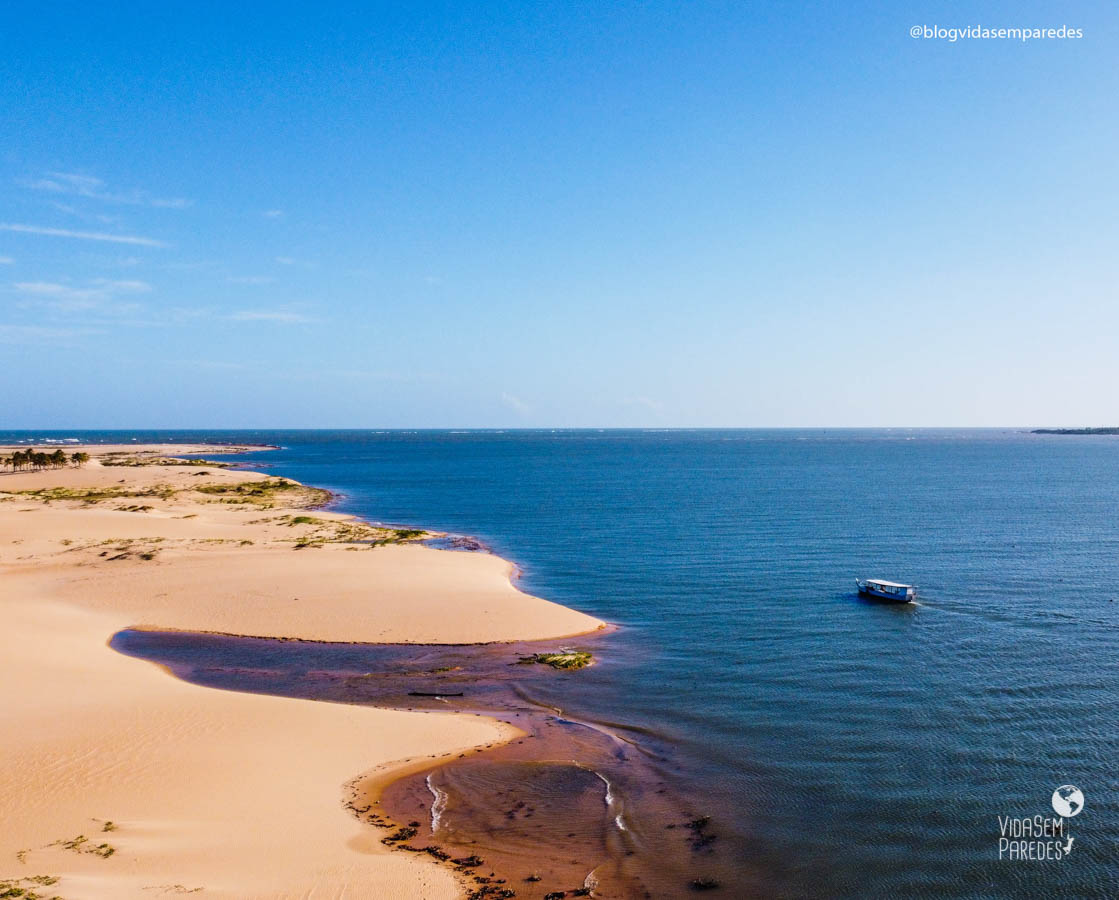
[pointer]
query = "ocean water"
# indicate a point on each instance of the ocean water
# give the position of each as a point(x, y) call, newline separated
point(841, 747)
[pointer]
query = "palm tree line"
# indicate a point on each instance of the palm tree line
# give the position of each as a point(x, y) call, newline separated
point(37, 460)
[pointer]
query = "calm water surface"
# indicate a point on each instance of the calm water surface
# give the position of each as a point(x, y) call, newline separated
point(842, 747)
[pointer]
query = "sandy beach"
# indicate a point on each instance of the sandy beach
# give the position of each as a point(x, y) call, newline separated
point(119, 780)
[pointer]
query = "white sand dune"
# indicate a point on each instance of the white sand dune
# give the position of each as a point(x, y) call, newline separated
point(214, 793)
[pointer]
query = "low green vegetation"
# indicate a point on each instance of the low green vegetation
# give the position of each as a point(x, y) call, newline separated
point(333, 531)
point(124, 459)
point(94, 495)
point(82, 844)
point(250, 488)
point(266, 494)
point(564, 659)
point(25, 888)
point(125, 548)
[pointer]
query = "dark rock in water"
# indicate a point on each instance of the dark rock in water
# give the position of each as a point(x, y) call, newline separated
point(704, 884)
point(458, 542)
point(488, 891)
point(700, 838)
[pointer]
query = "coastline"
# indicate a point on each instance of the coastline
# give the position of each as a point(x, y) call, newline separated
point(215, 792)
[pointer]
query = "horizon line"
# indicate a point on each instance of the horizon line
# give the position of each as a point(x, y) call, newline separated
point(386, 428)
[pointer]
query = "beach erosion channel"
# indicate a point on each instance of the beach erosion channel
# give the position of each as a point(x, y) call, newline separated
point(129, 781)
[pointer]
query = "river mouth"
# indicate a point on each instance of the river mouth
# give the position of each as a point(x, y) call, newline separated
point(570, 805)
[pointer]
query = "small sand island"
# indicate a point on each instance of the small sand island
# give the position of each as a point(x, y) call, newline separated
point(118, 780)
point(1108, 430)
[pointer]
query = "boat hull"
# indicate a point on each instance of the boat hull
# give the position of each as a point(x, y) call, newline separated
point(885, 598)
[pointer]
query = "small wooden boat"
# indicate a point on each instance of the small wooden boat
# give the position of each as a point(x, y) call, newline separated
point(887, 590)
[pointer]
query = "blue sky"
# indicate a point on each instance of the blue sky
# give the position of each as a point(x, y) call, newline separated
point(570, 214)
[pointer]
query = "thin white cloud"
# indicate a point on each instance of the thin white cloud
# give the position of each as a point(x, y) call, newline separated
point(25, 334)
point(6, 260)
point(80, 185)
point(83, 215)
point(647, 402)
point(130, 285)
point(273, 214)
point(83, 235)
point(251, 279)
point(170, 202)
point(99, 295)
point(384, 375)
point(103, 261)
point(100, 286)
point(201, 265)
point(292, 261)
point(268, 315)
point(49, 289)
point(515, 403)
point(67, 183)
point(190, 313)
point(312, 374)
point(213, 364)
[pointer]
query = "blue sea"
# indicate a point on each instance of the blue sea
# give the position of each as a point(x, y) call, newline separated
point(842, 747)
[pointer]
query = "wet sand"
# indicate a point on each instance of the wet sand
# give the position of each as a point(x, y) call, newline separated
point(570, 804)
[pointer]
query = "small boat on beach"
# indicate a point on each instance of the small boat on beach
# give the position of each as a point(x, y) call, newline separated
point(887, 590)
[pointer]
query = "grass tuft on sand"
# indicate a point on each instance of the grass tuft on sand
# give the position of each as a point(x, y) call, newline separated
point(81, 844)
point(92, 495)
point(24, 888)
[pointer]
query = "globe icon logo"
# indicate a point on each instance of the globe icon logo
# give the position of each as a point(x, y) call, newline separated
point(1068, 800)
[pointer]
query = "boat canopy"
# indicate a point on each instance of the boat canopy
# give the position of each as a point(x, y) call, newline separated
point(881, 583)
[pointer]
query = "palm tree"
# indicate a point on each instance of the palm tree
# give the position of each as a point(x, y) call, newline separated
point(37, 460)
